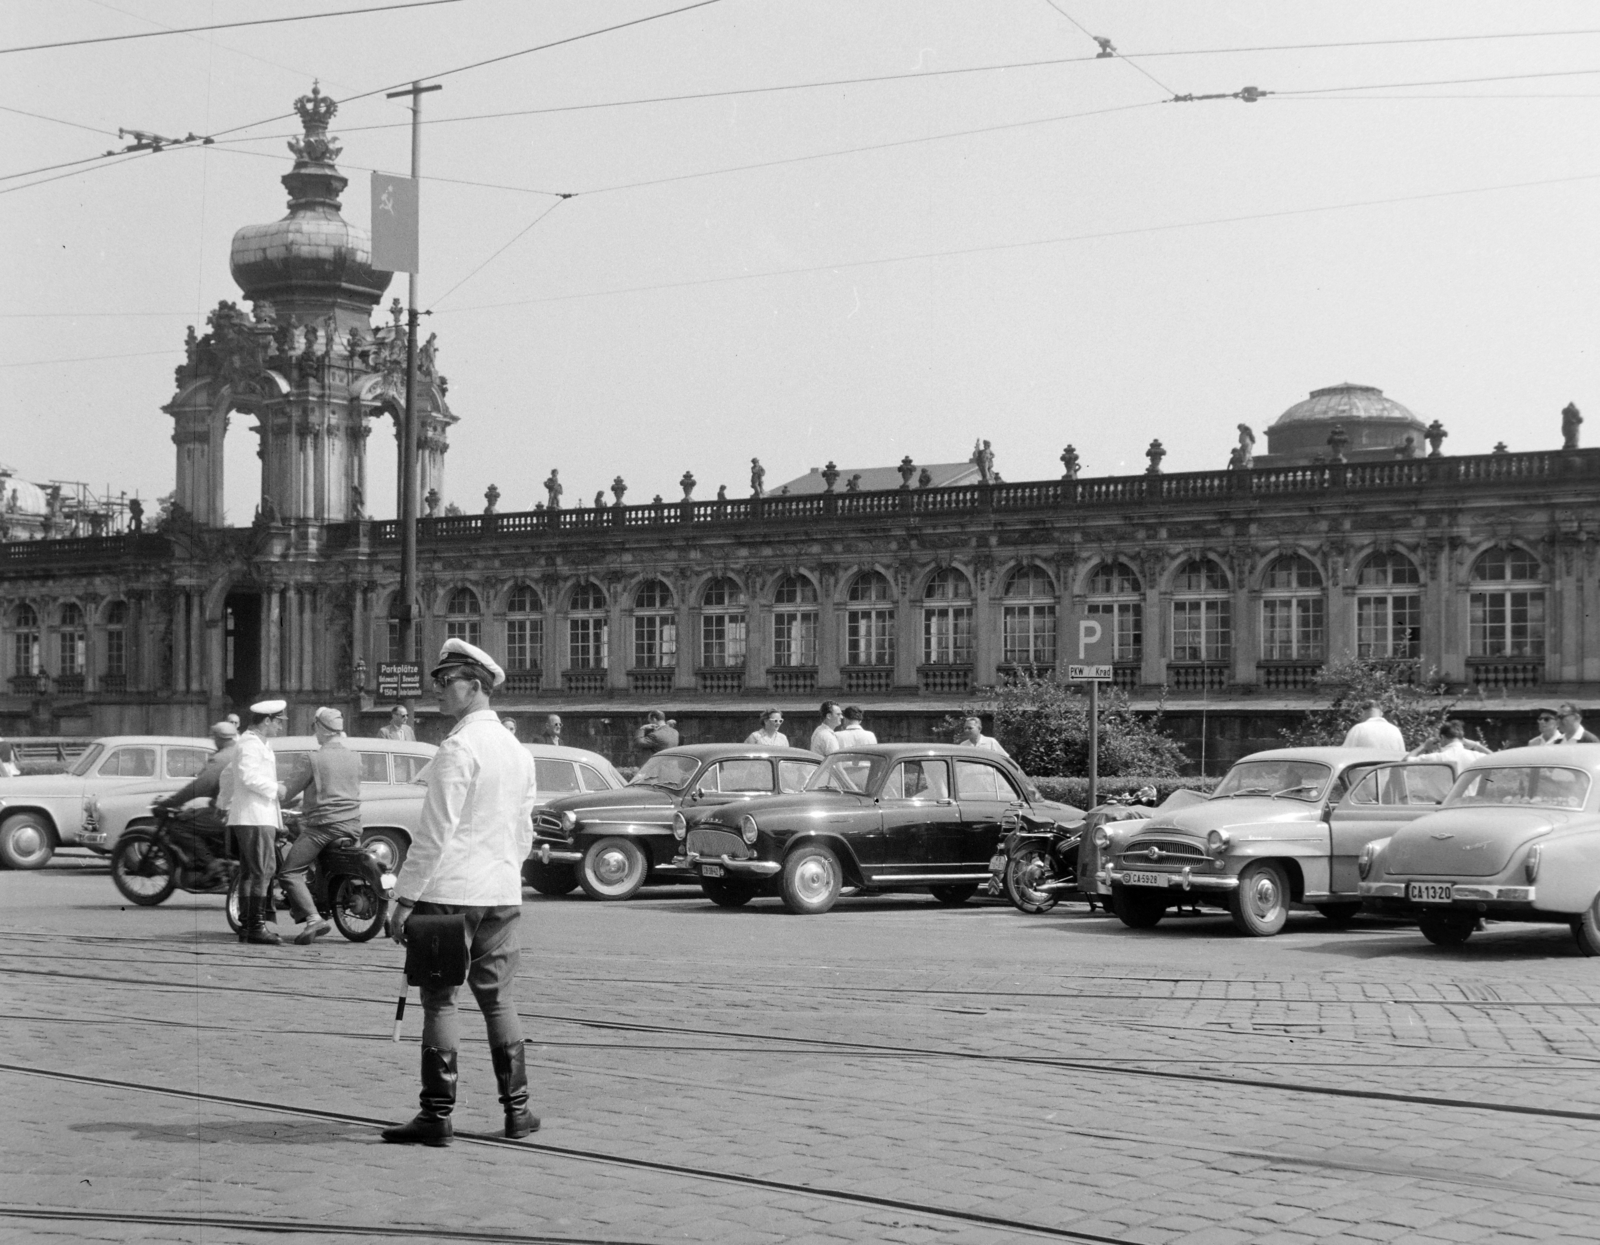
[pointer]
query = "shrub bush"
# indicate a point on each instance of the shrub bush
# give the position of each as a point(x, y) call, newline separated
point(1416, 708)
point(1075, 791)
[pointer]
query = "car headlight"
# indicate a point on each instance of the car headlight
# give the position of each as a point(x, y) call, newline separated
point(680, 827)
point(747, 828)
point(1530, 866)
point(569, 820)
point(1218, 841)
point(1102, 838)
point(1364, 861)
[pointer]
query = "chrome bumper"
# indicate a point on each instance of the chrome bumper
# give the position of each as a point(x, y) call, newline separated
point(92, 838)
point(544, 855)
point(1458, 890)
point(1184, 881)
point(758, 868)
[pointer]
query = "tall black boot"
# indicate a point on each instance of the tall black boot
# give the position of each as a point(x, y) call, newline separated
point(246, 915)
point(511, 1075)
point(257, 930)
point(431, 1127)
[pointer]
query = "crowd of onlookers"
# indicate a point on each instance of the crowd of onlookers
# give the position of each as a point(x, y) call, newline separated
point(1560, 725)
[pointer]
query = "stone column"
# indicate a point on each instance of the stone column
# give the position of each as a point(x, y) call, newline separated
point(907, 633)
point(619, 642)
point(272, 641)
point(180, 642)
point(688, 641)
point(291, 640)
point(988, 628)
point(830, 631)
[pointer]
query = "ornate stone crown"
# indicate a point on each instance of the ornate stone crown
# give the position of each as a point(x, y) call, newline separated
point(315, 110)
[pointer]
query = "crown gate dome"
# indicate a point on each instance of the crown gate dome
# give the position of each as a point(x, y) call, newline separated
point(1375, 424)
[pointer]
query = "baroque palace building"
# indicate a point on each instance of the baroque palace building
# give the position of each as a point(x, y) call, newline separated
point(1352, 535)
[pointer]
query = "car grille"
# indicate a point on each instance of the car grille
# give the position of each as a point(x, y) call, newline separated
point(1171, 853)
point(548, 826)
point(715, 843)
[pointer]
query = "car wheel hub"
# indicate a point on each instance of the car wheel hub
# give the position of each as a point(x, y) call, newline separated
point(1264, 898)
point(813, 879)
point(611, 867)
point(27, 841)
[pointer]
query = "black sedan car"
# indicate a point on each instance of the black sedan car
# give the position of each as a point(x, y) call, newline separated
point(612, 842)
point(893, 817)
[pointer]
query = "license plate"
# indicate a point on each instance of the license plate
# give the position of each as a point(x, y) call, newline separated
point(997, 864)
point(711, 871)
point(1429, 892)
point(1145, 879)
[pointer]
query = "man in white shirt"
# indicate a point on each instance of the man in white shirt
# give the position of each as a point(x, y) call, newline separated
point(853, 734)
point(249, 790)
point(475, 831)
point(823, 739)
point(1374, 730)
point(1549, 728)
point(972, 736)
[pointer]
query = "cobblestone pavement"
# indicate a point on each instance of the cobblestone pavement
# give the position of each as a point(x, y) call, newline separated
point(892, 1071)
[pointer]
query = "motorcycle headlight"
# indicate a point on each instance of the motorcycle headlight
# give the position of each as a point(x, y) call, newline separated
point(1530, 866)
point(1102, 838)
point(1218, 841)
point(747, 828)
point(1364, 861)
point(680, 827)
point(569, 820)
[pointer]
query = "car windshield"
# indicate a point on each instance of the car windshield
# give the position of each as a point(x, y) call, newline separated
point(1547, 786)
point(87, 760)
point(846, 771)
point(1288, 779)
point(664, 770)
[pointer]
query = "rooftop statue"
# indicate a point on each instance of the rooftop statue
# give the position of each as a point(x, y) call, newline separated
point(1571, 421)
point(1435, 436)
point(1069, 463)
point(1247, 447)
point(618, 488)
point(758, 478)
point(1155, 453)
point(983, 459)
point(1406, 448)
point(553, 490)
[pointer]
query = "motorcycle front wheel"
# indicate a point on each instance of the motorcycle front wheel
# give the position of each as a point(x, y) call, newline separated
point(358, 908)
point(231, 907)
point(1023, 872)
point(143, 869)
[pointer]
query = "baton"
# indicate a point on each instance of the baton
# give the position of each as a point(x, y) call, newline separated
point(400, 1005)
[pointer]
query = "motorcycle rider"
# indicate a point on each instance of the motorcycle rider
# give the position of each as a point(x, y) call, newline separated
point(331, 811)
point(205, 836)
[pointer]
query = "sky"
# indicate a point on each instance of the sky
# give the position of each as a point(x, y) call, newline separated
point(1037, 255)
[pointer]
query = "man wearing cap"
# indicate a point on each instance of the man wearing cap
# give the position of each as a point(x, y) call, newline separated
point(250, 792)
point(399, 725)
point(1549, 728)
point(331, 780)
point(205, 834)
point(474, 833)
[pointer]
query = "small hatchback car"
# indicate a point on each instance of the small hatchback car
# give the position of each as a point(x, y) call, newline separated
point(1518, 839)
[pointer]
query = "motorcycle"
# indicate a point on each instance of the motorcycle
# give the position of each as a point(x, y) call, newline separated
point(1039, 859)
point(346, 881)
point(150, 862)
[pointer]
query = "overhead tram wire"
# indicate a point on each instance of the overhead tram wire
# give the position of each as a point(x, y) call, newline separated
point(1107, 50)
point(259, 21)
point(960, 252)
point(39, 116)
point(514, 240)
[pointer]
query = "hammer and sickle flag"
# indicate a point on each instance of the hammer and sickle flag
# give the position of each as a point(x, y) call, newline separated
point(394, 223)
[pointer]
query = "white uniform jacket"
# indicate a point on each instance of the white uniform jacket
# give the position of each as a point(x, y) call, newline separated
point(248, 789)
point(477, 819)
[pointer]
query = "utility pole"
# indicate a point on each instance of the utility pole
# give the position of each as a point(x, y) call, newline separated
point(408, 428)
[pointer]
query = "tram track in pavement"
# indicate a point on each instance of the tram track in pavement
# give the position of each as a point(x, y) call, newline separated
point(590, 1157)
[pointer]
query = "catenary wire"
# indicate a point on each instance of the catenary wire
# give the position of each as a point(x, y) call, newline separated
point(1394, 86)
point(100, 162)
point(77, 125)
point(1034, 242)
point(517, 237)
point(259, 21)
point(1133, 64)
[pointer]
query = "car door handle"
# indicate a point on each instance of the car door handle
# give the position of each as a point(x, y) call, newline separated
point(946, 801)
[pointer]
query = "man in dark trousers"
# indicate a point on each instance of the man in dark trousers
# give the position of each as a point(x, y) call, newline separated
point(205, 834)
point(475, 831)
point(331, 810)
point(250, 791)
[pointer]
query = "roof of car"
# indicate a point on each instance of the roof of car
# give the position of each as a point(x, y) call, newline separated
point(704, 751)
point(113, 740)
point(1328, 755)
point(1586, 756)
point(356, 743)
point(561, 752)
point(936, 748)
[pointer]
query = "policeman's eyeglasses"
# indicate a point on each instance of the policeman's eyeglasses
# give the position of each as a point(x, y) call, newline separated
point(442, 681)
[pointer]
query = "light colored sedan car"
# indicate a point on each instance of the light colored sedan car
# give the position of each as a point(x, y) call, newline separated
point(1518, 839)
point(41, 812)
point(1285, 826)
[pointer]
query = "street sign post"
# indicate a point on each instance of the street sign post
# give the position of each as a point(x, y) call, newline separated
point(1091, 649)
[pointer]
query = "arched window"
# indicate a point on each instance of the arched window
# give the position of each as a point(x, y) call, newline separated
point(524, 629)
point(71, 641)
point(947, 620)
point(1029, 618)
point(1388, 609)
point(869, 621)
point(116, 641)
point(1506, 605)
point(463, 617)
point(1292, 610)
point(655, 627)
point(794, 622)
point(1116, 594)
point(587, 629)
point(1202, 613)
point(25, 641)
point(722, 625)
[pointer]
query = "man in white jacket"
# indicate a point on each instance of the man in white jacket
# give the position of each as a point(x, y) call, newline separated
point(474, 833)
point(249, 791)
